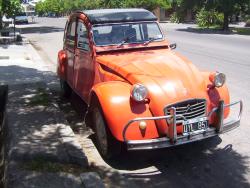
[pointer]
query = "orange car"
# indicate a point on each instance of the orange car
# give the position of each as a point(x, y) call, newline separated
point(138, 90)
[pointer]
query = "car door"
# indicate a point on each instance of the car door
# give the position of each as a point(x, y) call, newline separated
point(84, 66)
point(69, 43)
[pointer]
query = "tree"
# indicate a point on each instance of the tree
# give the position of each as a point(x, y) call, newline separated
point(228, 8)
point(12, 7)
point(147, 4)
point(1, 13)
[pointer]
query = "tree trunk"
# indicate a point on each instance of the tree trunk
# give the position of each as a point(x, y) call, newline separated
point(1, 26)
point(226, 22)
point(14, 27)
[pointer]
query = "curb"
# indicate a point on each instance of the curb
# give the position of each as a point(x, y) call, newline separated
point(76, 155)
point(3, 133)
point(68, 136)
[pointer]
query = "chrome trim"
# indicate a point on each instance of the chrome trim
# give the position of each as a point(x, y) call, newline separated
point(165, 142)
point(172, 126)
point(201, 105)
point(174, 139)
point(144, 119)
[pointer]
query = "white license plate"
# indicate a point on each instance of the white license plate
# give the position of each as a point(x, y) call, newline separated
point(195, 125)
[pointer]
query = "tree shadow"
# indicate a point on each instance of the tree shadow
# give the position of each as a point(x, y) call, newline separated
point(241, 31)
point(41, 29)
point(37, 129)
point(198, 164)
point(14, 74)
point(74, 109)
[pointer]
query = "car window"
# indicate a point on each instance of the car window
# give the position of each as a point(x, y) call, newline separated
point(70, 35)
point(71, 31)
point(114, 34)
point(153, 31)
point(21, 14)
point(82, 37)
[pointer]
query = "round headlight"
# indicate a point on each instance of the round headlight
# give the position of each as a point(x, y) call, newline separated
point(219, 79)
point(139, 92)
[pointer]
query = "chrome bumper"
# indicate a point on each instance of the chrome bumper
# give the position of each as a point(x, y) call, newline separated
point(173, 139)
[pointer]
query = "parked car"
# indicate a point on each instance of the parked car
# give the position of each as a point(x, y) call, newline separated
point(21, 18)
point(140, 92)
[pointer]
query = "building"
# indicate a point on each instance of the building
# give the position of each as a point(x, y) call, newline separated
point(29, 6)
point(164, 14)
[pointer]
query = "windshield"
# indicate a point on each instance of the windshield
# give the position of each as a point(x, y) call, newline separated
point(21, 14)
point(118, 34)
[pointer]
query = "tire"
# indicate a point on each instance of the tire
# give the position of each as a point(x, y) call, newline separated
point(107, 145)
point(65, 89)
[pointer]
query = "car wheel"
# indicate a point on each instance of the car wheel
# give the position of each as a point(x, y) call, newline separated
point(107, 145)
point(65, 89)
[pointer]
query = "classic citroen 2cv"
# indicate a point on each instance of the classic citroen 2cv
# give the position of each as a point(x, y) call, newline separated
point(140, 93)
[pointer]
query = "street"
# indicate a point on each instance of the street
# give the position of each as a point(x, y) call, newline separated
point(218, 162)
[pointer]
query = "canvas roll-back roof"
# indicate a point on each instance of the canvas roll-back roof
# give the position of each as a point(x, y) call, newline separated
point(100, 16)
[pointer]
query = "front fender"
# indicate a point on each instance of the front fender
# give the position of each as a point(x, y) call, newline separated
point(216, 94)
point(118, 108)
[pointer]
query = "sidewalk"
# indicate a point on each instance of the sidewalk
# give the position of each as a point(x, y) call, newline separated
point(43, 150)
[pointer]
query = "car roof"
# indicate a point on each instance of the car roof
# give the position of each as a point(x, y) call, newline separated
point(100, 16)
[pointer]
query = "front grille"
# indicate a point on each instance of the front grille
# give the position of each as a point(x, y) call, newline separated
point(189, 109)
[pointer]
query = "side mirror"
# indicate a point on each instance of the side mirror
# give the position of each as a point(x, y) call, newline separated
point(172, 46)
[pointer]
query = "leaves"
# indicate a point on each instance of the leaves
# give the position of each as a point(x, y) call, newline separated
point(66, 6)
point(11, 7)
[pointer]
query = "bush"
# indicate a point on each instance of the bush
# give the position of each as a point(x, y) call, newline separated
point(247, 23)
point(176, 17)
point(246, 18)
point(206, 19)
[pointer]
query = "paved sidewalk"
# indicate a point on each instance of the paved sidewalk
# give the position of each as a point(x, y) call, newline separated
point(43, 150)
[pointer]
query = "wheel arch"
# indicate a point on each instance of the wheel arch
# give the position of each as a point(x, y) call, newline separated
point(118, 108)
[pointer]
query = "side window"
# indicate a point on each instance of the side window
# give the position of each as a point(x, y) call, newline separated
point(65, 31)
point(82, 37)
point(70, 35)
point(138, 34)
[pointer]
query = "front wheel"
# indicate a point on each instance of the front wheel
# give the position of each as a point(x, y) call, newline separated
point(107, 145)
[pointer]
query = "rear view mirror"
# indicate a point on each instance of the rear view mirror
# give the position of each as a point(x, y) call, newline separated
point(172, 46)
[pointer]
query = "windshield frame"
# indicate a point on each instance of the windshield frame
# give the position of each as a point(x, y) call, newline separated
point(120, 23)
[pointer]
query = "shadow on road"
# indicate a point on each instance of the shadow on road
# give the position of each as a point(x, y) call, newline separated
point(41, 29)
point(231, 31)
point(37, 154)
point(200, 164)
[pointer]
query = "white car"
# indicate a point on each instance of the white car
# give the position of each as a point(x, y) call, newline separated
point(21, 18)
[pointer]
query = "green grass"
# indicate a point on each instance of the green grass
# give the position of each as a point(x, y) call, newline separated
point(212, 27)
point(41, 98)
point(241, 31)
point(41, 165)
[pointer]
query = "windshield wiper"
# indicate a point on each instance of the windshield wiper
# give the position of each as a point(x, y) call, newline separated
point(125, 40)
point(151, 40)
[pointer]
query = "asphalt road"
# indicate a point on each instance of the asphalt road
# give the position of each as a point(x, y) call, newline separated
point(219, 162)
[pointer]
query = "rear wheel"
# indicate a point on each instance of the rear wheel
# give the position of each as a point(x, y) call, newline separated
point(65, 89)
point(107, 145)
